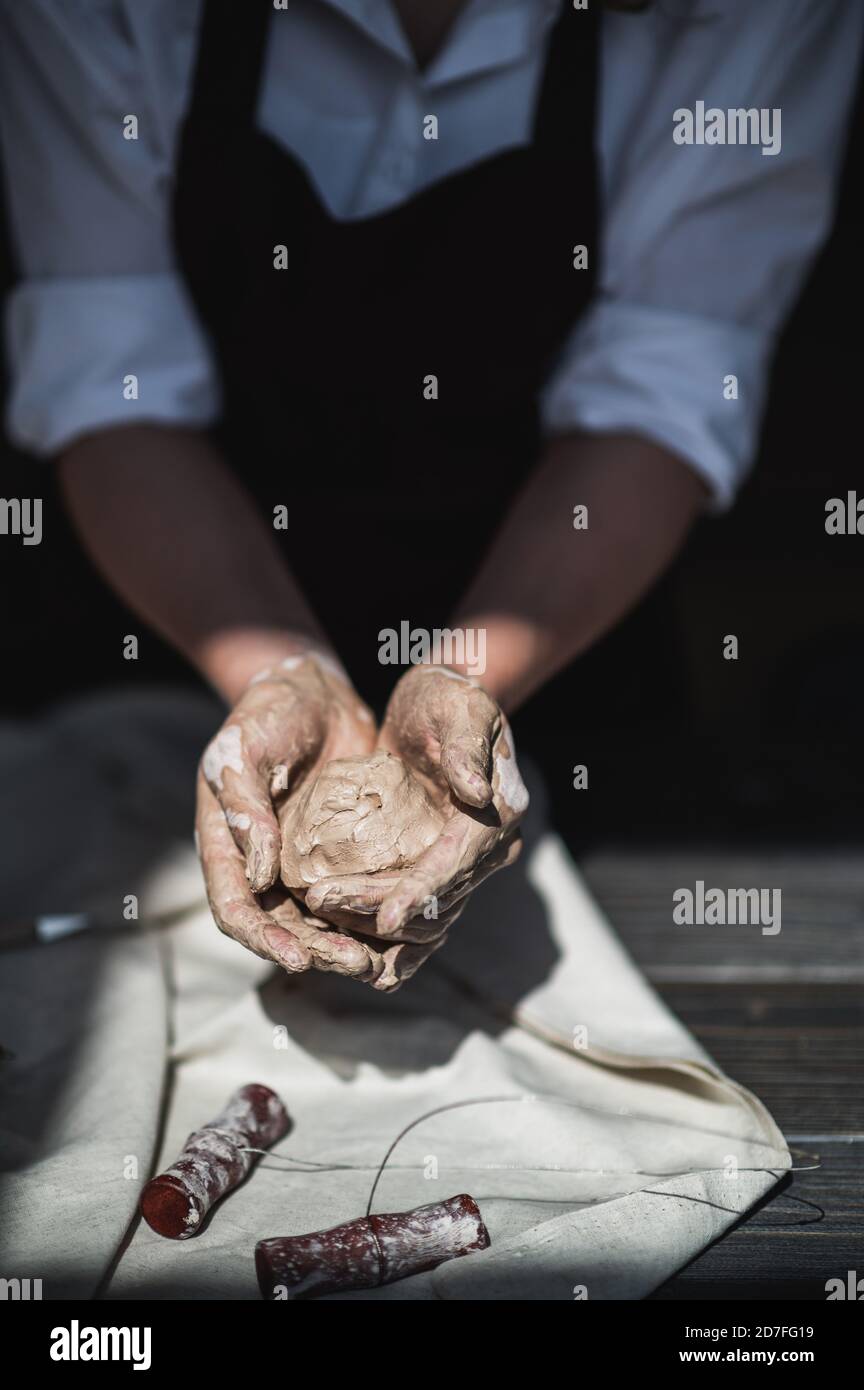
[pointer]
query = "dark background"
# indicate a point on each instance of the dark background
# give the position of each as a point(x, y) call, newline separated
point(676, 739)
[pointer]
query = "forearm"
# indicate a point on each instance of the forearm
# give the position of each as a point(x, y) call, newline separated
point(547, 591)
point(176, 535)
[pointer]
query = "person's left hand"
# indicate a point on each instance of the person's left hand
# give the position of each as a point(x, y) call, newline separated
point(457, 741)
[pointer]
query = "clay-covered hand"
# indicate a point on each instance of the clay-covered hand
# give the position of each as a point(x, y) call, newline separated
point(369, 817)
point(290, 722)
point(457, 743)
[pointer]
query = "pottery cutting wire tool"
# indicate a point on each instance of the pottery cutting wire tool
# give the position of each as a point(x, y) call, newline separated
point(375, 1249)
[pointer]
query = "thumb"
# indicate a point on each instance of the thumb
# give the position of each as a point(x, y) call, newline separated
point(466, 749)
point(244, 796)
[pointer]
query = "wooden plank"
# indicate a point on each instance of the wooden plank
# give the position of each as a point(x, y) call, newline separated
point(822, 913)
point(785, 1249)
point(782, 1014)
point(800, 1049)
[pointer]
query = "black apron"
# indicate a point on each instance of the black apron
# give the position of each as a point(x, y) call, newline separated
point(392, 497)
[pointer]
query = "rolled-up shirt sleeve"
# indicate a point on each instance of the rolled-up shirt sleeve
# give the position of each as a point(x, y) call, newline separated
point(99, 329)
point(635, 369)
point(92, 352)
point(706, 246)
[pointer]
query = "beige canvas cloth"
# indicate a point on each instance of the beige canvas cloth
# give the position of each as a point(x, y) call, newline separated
point(619, 1152)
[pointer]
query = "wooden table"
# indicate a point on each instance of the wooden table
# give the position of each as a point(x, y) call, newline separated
point(782, 1014)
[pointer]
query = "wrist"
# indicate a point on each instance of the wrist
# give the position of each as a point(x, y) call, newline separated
point(515, 657)
point(231, 660)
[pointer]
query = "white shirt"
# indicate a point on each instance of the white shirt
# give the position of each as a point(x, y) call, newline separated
point(705, 245)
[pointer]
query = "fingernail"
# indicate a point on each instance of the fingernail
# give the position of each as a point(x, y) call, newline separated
point(325, 899)
point(352, 953)
point(255, 868)
point(259, 860)
point(292, 957)
point(390, 919)
point(388, 982)
point(481, 788)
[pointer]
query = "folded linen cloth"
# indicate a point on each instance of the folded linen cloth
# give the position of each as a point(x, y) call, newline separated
point(614, 1149)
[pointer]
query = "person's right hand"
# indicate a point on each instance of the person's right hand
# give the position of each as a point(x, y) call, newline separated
point(289, 722)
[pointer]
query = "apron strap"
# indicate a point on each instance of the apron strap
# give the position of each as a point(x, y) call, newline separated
point(568, 94)
point(229, 62)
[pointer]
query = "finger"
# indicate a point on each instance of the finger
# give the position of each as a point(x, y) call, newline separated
point(420, 932)
point(327, 949)
point(353, 901)
point(466, 748)
point(361, 893)
point(439, 912)
point(345, 898)
point(330, 950)
point(437, 871)
point(232, 903)
point(505, 853)
point(511, 793)
point(403, 961)
point(447, 873)
point(243, 793)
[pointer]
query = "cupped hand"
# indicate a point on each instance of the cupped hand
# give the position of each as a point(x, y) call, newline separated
point(457, 741)
point(291, 720)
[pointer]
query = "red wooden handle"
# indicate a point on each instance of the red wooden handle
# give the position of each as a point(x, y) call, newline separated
point(371, 1251)
point(214, 1160)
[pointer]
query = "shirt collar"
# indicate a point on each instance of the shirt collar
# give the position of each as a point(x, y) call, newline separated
point(487, 34)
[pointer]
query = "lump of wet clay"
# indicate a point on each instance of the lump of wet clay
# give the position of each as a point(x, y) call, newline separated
point(364, 815)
